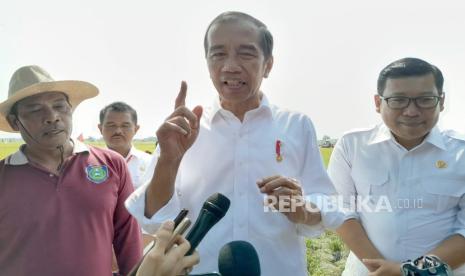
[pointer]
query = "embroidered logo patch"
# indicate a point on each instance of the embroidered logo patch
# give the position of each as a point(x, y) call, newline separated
point(97, 174)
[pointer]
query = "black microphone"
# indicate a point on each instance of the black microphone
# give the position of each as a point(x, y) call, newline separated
point(214, 209)
point(238, 258)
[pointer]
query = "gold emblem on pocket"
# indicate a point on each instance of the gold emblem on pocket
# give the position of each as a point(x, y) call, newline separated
point(441, 164)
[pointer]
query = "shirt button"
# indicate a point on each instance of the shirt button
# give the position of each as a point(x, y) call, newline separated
point(51, 175)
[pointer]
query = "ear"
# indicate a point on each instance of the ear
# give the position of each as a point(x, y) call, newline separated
point(441, 101)
point(100, 128)
point(13, 122)
point(378, 102)
point(136, 129)
point(268, 66)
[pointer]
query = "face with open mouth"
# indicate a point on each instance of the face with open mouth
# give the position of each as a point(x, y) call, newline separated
point(411, 124)
point(236, 63)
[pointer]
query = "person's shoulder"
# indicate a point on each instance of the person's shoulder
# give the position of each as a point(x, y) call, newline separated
point(141, 154)
point(359, 136)
point(454, 135)
point(280, 113)
point(105, 154)
point(360, 132)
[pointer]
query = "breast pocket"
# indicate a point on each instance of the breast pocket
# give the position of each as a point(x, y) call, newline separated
point(370, 183)
point(443, 194)
point(373, 190)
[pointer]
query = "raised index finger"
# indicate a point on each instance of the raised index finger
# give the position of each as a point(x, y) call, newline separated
point(181, 98)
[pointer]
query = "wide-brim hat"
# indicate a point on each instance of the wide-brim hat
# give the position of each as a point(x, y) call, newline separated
point(32, 80)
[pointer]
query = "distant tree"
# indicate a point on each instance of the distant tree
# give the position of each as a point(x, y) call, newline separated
point(326, 142)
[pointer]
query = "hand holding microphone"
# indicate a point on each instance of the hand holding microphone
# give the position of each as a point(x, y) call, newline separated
point(164, 260)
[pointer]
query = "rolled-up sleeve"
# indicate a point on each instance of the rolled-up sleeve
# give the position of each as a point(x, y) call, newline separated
point(136, 205)
point(339, 171)
point(318, 189)
point(127, 240)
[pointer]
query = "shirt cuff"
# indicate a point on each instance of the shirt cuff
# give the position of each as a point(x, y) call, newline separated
point(460, 232)
point(331, 216)
point(135, 204)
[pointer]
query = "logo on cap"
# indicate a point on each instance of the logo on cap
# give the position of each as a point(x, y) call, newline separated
point(97, 174)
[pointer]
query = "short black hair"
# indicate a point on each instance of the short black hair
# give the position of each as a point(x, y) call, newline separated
point(118, 107)
point(409, 67)
point(266, 39)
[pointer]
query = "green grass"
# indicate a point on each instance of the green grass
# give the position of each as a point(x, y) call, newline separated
point(325, 155)
point(326, 255)
point(9, 148)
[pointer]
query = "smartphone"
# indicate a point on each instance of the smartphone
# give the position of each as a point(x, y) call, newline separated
point(182, 227)
point(177, 220)
point(179, 217)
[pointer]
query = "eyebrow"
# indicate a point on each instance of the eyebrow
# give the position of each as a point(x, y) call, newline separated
point(216, 47)
point(248, 47)
point(402, 94)
point(241, 47)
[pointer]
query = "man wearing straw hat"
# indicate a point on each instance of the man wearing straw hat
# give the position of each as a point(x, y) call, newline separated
point(61, 202)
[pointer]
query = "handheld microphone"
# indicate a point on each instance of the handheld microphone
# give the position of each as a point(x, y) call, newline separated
point(238, 258)
point(214, 209)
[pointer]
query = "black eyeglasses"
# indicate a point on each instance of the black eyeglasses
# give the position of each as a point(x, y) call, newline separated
point(422, 102)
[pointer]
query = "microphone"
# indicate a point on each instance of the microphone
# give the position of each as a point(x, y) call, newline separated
point(238, 258)
point(214, 209)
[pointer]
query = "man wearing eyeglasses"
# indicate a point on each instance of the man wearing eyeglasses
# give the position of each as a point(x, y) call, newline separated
point(405, 177)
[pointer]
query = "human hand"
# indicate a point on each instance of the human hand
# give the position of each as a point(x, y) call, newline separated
point(287, 192)
point(381, 267)
point(163, 261)
point(180, 130)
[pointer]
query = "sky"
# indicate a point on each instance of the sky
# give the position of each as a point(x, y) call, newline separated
point(327, 54)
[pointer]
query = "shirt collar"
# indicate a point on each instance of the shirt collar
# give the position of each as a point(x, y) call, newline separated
point(436, 138)
point(19, 158)
point(133, 153)
point(216, 108)
point(383, 134)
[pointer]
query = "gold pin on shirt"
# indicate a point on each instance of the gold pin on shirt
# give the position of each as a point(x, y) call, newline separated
point(441, 164)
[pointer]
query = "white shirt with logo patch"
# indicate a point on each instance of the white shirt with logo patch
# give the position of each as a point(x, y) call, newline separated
point(424, 189)
point(229, 157)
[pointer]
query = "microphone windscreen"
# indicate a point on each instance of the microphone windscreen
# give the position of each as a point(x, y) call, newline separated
point(213, 210)
point(217, 204)
point(238, 258)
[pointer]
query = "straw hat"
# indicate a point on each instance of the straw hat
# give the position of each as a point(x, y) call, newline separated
point(32, 80)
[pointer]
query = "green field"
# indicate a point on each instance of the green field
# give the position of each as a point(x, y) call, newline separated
point(8, 148)
point(325, 255)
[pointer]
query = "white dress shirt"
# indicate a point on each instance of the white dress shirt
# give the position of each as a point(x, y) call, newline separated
point(138, 161)
point(229, 157)
point(425, 188)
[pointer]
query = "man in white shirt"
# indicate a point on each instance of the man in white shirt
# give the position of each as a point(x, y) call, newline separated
point(118, 125)
point(407, 176)
point(244, 148)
